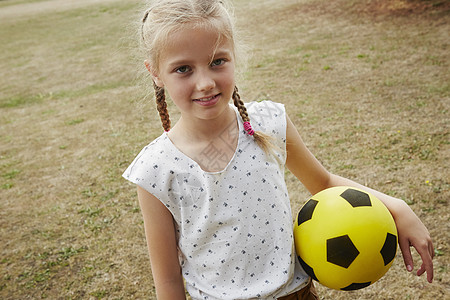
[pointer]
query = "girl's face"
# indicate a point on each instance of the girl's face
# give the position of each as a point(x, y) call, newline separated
point(197, 72)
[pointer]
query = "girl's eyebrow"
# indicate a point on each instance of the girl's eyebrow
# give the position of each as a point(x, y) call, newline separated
point(186, 61)
point(221, 53)
point(179, 62)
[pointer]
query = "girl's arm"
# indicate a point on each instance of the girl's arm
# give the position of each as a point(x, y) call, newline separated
point(162, 246)
point(411, 231)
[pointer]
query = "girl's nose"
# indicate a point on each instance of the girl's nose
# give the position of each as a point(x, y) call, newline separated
point(205, 82)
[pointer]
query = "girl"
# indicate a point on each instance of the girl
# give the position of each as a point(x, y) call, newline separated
point(211, 188)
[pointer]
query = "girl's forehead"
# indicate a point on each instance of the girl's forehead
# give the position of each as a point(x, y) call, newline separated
point(198, 41)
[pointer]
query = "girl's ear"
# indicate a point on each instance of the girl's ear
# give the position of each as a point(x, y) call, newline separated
point(154, 75)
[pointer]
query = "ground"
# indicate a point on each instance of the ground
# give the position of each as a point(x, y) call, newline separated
point(366, 82)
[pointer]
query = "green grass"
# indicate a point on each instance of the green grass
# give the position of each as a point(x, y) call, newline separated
point(17, 101)
point(5, 3)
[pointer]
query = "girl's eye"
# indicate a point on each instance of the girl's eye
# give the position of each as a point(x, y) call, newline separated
point(182, 69)
point(217, 62)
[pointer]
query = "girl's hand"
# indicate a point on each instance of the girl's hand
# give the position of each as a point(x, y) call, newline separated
point(412, 232)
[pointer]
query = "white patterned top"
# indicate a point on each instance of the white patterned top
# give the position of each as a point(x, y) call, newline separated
point(234, 227)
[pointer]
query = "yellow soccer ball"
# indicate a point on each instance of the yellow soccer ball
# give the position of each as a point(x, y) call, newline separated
point(345, 238)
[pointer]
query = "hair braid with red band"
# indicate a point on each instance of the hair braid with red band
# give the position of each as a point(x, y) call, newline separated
point(262, 139)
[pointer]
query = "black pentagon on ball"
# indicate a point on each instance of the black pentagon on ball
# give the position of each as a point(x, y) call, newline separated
point(389, 248)
point(307, 268)
point(341, 251)
point(356, 198)
point(356, 286)
point(307, 211)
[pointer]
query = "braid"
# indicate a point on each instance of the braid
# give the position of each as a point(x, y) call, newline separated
point(263, 140)
point(161, 105)
point(240, 105)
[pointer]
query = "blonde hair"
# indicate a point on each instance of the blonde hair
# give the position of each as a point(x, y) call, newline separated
point(163, 17)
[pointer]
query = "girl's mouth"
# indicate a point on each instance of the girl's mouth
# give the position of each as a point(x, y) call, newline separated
point(208, 100)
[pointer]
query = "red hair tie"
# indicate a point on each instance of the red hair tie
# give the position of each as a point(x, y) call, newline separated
point(248, 128)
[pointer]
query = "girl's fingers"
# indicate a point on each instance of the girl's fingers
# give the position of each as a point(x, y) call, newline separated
point(406, 253)
point(427, 261)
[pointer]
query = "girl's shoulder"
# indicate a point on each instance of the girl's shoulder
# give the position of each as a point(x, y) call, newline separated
point(264, 105)
point(156, 151)
point(265, 110)
point(156, 147)
point(266, 115)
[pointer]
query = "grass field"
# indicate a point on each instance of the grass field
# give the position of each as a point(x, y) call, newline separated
point(366, 82)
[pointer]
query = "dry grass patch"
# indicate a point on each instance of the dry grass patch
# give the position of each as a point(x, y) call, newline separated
point(368, 89)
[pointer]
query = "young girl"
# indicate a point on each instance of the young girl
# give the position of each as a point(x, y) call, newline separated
point(211, 188)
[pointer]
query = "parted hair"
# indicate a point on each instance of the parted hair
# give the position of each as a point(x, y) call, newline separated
point(162, 17)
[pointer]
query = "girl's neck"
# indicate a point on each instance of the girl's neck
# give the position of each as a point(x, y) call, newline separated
point(198, 131)
point(211, 143)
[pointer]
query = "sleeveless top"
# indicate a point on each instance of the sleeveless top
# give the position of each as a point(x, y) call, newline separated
point(234, 227)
